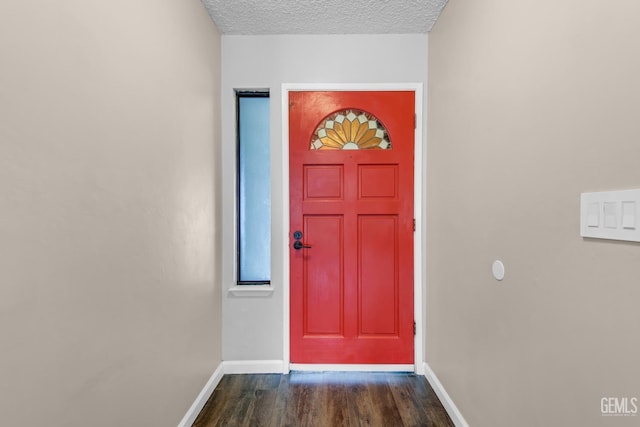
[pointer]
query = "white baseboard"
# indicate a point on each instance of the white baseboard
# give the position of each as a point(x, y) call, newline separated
point(228, 367)
point(253, 366)
point(201, 400)
point(449, 406)
point(350, 368)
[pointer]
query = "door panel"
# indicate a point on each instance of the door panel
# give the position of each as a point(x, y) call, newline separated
point(323, 280)
point(351, 197)
point(323, 181)
point(378, 279)
point(378, 181)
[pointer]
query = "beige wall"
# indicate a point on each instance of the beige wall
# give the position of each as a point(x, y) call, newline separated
point(531, 103)
point(109, 291)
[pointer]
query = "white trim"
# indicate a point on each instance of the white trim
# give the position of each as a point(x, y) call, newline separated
point(350, 368)
point(419, 166)
point(419, 169)
point(206, 392)
point(337, 87)
point(445, 399)
point(251, 290)
point(228, 367)
point(253, 367)
point(285, 228)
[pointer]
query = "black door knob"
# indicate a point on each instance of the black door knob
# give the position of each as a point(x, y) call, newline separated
point(297, 245)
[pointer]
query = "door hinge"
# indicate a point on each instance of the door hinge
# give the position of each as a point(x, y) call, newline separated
point(414, 224)
point(415, 121)
point(414, 328)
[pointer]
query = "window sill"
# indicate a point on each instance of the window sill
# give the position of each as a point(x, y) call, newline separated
point(251, 290)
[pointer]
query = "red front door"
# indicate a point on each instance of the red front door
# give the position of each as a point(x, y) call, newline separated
point(351, 201)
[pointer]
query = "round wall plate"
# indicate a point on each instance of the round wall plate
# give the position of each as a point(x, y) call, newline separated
point(498, 270)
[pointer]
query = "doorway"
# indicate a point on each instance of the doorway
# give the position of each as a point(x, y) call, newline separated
point(352, 239)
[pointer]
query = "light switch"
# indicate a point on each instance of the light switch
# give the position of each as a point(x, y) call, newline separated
point(629, 215)
point(610, 214)
point(593, 215)
point(613, 215)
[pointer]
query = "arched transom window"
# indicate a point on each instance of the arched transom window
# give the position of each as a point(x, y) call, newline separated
point(350, 130)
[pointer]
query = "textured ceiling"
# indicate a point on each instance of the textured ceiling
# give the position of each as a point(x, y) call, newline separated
point(324, 16)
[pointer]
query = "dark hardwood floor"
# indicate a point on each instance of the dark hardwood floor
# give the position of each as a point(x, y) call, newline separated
point(324, 399)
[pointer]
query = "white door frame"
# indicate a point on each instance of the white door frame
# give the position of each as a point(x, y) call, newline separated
point(418, 241)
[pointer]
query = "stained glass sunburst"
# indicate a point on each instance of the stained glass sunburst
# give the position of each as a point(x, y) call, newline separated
point(350, 130)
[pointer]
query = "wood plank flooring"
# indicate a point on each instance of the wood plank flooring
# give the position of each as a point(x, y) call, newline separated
point(324, 399)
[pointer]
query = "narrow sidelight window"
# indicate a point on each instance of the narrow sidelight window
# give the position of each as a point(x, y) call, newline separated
point(254, 189)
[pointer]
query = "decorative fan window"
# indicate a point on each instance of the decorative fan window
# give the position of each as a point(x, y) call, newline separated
point(350, 130)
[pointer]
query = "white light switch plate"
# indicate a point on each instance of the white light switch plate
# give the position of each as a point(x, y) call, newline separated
point(611, 215)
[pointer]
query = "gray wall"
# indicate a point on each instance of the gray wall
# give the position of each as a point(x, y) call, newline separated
point(252, 326)
point(109, 295)
point(531, 103)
